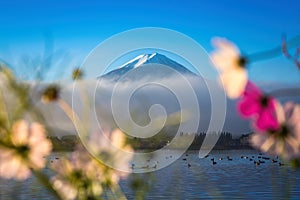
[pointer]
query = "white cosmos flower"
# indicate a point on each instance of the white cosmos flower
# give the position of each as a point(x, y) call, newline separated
point(82, 175)
point(28, 149)
point(78, 176)
point(231, 65)
point(111, 148)
point(286, 140)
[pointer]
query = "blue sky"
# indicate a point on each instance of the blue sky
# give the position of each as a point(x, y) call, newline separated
point(78, 26)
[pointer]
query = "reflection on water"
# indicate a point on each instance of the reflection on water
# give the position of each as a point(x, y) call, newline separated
point(194, 178)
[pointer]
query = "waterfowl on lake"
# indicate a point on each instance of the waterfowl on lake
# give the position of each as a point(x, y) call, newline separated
point(145, 167)
point(228, 158)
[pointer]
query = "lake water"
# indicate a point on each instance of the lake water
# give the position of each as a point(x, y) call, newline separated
point(194, 178)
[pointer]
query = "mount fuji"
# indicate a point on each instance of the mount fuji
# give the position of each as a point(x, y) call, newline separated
point(141, 61)
point(144, 70)
point(138, 78)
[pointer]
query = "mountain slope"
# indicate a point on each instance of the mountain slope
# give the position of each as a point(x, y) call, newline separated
point(156, 60)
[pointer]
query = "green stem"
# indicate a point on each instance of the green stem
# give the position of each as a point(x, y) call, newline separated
point(85, 100)
point(271, 53)
point(4, 107)
point(72, 115)
point(45, 181)
point(118, 193)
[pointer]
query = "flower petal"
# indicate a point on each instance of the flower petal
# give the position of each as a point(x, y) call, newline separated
point(20, 133)
point(267, 121)
point(234, 82)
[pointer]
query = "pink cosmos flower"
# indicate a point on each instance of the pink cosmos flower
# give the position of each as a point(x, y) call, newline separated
point(231, 65)
point(258, 106)
point(27, 149)
point(285, 141)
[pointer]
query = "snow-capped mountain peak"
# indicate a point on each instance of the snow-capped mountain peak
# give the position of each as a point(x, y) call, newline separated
point(142, 60)
point(152, 55)
point(132, 60)
point(138, 61)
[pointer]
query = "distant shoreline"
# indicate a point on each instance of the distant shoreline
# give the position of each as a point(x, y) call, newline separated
point(68, 143)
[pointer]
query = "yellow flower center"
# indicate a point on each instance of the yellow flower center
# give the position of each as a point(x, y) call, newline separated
point(242, 61)
point(284, 131)
point(264, 101)
point(51, 93)
point(23, 150)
